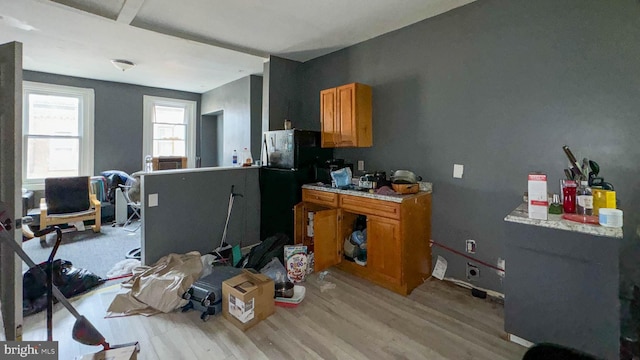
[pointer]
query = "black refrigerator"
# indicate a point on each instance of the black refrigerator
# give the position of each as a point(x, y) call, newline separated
point(289, 157)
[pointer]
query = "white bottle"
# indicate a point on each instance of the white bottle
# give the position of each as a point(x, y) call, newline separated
point(235, 158)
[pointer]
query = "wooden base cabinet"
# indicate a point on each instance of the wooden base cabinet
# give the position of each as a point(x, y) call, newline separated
point(398, 251)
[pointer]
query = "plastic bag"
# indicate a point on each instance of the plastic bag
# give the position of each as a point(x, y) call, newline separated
point(275, 270)
point(70, 281)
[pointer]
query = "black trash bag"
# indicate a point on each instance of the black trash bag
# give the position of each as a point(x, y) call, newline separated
point(261, 254)
point(34, 281)
point(71, 281)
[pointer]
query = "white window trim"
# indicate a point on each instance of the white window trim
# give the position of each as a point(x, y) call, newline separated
point(147, 130)
point(87, 126)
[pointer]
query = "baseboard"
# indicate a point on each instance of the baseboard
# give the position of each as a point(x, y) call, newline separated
point(520, 341)
point(467, 285)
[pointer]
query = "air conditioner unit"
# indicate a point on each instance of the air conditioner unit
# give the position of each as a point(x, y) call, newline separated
point(121, 208)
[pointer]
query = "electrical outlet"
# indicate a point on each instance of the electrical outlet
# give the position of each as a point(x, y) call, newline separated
point(458, 170)
point(360, 165)
point(471, 246)
point(501, 265)
point(472, 271)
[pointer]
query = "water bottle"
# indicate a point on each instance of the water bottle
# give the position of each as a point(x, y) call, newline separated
point(148, 163)
point(235, 158)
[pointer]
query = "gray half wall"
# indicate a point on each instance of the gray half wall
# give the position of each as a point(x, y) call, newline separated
point(192, 210)
point(498, 86)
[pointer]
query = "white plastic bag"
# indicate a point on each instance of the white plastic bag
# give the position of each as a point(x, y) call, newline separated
point(275, 270)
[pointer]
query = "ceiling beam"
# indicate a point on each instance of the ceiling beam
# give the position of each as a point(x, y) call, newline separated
point(129, 11)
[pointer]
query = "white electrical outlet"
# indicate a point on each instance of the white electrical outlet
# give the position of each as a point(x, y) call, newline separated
point(153, 200)
point(501, 265)
point(361, 165)
point(458, 170)
point(471, 246)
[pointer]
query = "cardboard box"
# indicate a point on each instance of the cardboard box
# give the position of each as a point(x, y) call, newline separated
point(247, 299)
point(538, 198)
point(124, 353)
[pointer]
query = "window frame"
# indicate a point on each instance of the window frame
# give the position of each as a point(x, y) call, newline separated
point(190, 119)
point(86, 126)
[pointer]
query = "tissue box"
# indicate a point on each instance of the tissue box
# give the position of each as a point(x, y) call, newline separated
point(538, 198)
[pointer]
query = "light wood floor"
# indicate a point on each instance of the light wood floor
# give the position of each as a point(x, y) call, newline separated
point(355, 320)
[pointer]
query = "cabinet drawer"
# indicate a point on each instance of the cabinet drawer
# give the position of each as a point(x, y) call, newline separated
point(320, 197)
point(366, 206)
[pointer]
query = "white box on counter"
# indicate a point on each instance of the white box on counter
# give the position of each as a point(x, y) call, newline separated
point(538, 198)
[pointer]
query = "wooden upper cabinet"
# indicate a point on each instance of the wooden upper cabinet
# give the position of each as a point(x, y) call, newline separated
point(330, 132)
point(345, 115)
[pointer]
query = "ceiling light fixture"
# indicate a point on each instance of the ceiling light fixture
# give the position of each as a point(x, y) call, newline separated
point(123, 65)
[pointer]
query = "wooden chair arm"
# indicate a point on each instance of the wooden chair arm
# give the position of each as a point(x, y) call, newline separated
point(94, 201)
point(43, 206)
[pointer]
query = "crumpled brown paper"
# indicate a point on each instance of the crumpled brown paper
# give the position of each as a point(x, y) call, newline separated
point(157, 288)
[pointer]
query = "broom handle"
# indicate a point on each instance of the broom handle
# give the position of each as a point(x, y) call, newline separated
point(18, 250)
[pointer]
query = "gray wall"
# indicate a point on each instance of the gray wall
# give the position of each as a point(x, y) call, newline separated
point(284, 99)
point(118, 118)
point(192, 210)
point(240, 103)
point(499, 86)
point(210, 138)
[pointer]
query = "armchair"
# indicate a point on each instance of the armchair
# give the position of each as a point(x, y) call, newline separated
point(68, 199)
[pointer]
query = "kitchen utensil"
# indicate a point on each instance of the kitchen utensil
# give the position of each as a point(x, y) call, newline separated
point(404, 177)
point(568, 174)
point(585, 168)
point(284, 289)
point(575, 167)
point(405, 188)
point(595, 168)
point(585, 219)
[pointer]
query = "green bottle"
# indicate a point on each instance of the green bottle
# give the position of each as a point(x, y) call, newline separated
point(555, 207)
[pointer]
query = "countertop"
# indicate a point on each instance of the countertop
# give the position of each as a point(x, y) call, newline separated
point(521, 215)
point(425, 187)
point(188, 170)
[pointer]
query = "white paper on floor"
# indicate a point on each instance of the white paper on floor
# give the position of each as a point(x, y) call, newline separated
point(440, 268)
point(124, 267)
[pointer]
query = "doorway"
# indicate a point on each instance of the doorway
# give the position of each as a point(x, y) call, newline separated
point(211, 139)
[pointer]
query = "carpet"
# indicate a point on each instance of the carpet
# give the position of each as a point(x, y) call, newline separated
point(96, 252)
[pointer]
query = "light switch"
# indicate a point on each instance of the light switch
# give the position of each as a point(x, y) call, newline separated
point(360, 165)
point(153, 200)
point(457, 171)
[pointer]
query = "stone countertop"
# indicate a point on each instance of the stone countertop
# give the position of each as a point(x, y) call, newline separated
point(425, 187)
point(521, 215)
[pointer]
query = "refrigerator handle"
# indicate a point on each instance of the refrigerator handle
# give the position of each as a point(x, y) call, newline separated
point(266, 152)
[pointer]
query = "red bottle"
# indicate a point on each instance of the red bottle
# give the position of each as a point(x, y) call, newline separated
point(569, 198)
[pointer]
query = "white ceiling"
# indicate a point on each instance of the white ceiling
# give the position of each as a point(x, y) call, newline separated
point(194, 45)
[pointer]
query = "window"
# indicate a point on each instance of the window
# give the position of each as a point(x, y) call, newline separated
point(169, 128)
point(57, 130)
